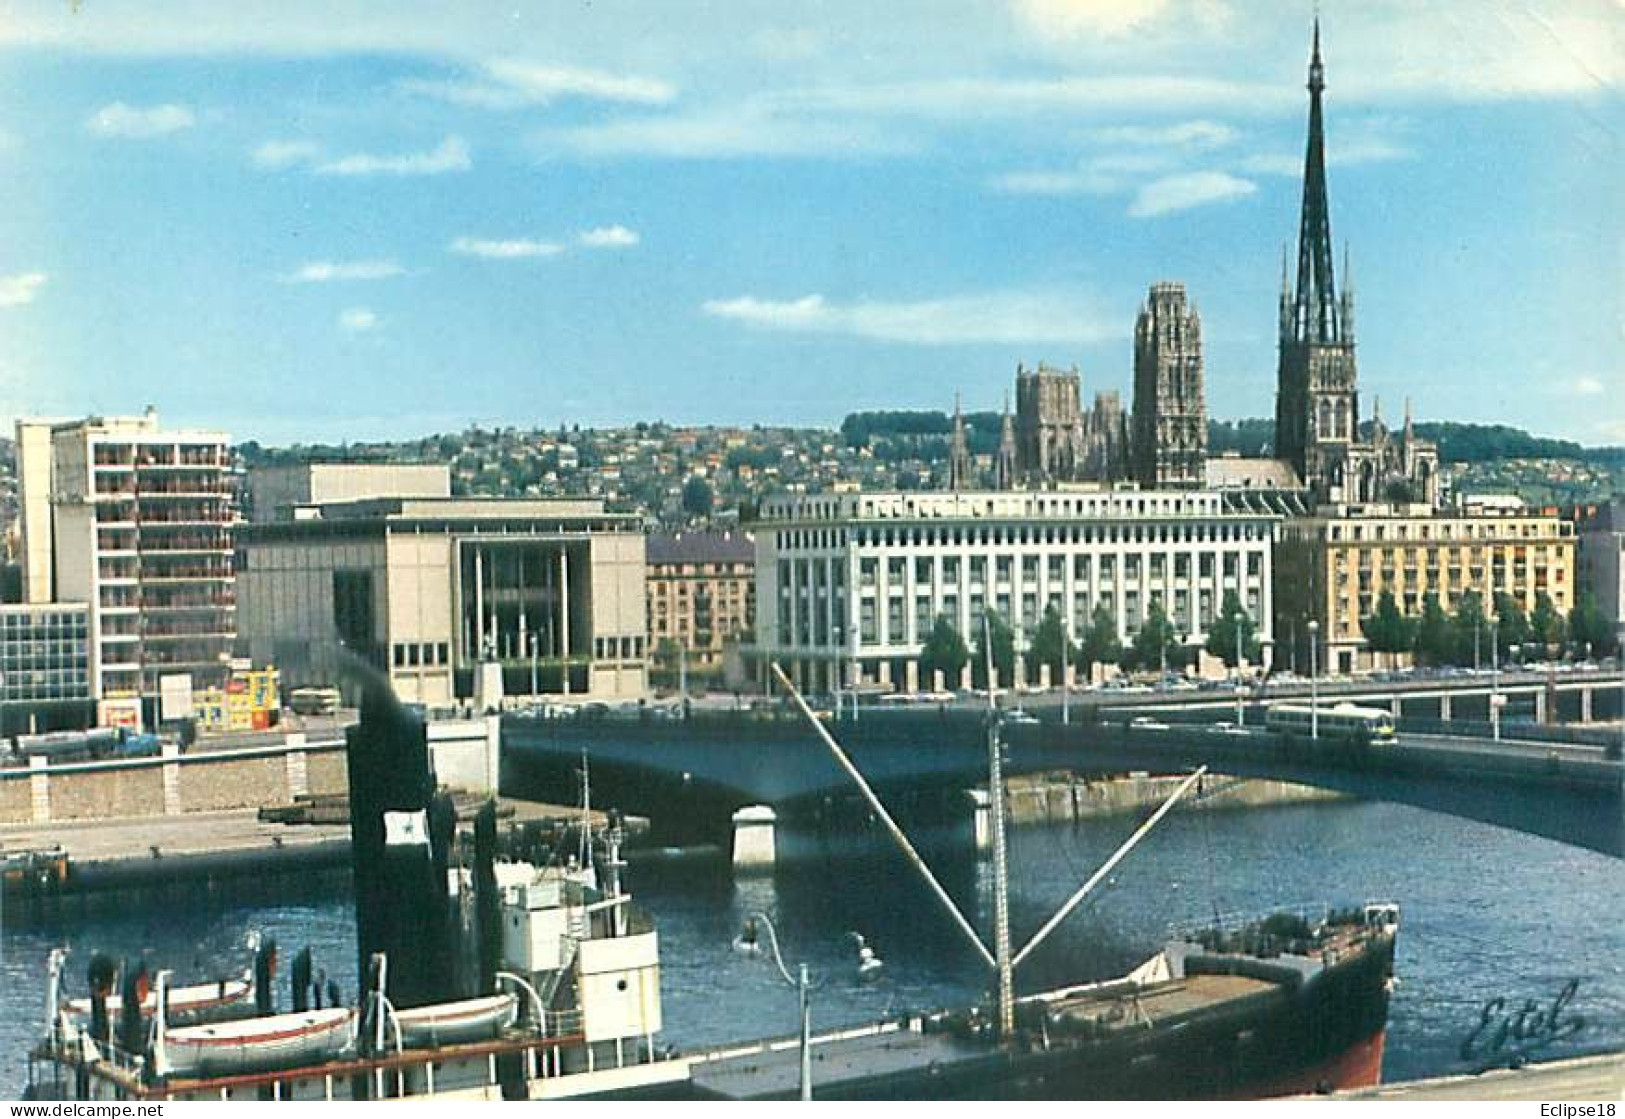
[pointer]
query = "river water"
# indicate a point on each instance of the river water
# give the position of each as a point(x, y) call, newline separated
point(1487, 914)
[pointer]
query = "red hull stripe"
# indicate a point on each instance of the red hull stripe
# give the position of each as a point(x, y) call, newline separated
point(1358, 1066)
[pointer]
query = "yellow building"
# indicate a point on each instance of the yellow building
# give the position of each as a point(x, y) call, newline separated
point(702, 595)
point(1333, 569)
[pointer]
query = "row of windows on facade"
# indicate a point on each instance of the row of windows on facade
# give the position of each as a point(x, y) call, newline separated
point(1500, 556)
point(1128, 611)
point(60, 686)
point(35, 627)
point(721, 590)
point(926, 569)
point(1099, 505)
point(694, 570)
point(937, 536)
point(27, 656)
point(1488, 529)
point(1540, 577)
point(437, 654)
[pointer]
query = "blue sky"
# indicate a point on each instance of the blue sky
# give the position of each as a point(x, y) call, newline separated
point(324, 221)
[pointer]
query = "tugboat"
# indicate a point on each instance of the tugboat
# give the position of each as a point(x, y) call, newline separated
point(511, 980)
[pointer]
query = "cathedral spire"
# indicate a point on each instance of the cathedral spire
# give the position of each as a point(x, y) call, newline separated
point(959, 464)
point(1004, 466)
point(1316, 316)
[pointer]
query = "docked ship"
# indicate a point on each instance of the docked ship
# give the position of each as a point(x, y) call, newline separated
point(497, 978)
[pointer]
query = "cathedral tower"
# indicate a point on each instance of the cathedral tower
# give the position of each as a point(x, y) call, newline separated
point(1316, 406)
point(1170, 415)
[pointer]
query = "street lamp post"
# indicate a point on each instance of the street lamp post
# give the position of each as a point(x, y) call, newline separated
point(1066, 689)
point(1241, 711)
point(1314, 682)
point(1496, 698)
point(747, 942)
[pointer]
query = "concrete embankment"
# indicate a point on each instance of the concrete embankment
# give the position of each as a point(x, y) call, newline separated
point(98, 857)
point(1062, 797)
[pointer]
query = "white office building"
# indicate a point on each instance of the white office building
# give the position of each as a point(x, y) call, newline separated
point(848, 586)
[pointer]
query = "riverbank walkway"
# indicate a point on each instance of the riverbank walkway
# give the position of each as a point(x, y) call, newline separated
point(1578, 1080)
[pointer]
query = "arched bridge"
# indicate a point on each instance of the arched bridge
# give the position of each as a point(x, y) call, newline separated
point(1570, 794)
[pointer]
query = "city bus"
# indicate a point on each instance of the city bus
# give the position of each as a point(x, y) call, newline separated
point(1341, 721)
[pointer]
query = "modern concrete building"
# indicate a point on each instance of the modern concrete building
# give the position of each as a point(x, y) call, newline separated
point(848, 586)
point(450, 596)
point(1333, 567)
point(284, 493)
point(45, 667)
point(137, 523)
point(702, 595)
point(1601, 560)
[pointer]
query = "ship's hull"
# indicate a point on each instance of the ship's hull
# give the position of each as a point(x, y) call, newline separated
point(1323, 1036)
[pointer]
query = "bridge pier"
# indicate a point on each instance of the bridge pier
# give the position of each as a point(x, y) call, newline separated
point(754, 848)
point(1444, 709)
point(1585, 704)
point(1543, 714)
point(1396, 708)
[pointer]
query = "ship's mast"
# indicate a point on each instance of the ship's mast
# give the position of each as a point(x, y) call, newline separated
point(1001, 959)
point(1001, 872)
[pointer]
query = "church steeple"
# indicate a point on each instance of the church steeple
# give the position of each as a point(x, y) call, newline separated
point(959, 464)
point(1004, 466)
point(1316, 311)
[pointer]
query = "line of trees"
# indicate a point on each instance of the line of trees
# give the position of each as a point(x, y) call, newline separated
point(1157, 644)
point(1462, 637)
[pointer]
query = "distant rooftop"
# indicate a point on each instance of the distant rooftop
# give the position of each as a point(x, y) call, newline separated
point(701, 547)
point(1233, 472)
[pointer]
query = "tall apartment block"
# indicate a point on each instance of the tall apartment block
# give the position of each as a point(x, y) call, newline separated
point(136, 523)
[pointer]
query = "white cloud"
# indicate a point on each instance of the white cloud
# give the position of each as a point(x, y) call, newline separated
point(327, 271)
point(516, 249)
point(285, 153)
point(1008, 317)
point(515, 84)
point(357, 319)
point(1181, 192)
point(131, 122)
point(608, 237)
point(21, 288)
point(451, 155)
point(957, 99)
point(1084, 180)
point(1587, 386)
point(1115, 19)
point(747, 130)
point(1200, 134)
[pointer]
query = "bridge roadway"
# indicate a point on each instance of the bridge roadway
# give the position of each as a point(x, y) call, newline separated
point(718, 763)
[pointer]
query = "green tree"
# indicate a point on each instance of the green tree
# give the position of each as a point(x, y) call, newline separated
point(1386, 629)
point(1002, 642)
point(1545, 623)
point(1435, 639)
point(1047, 642)
point(1157, 643)
point(667, 663)
point(1511, 624)
point(1233, 629)
point(944, 651)
point(1472, 631)
point(1589, 626)
point(697, 496)
point(1100, 644)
